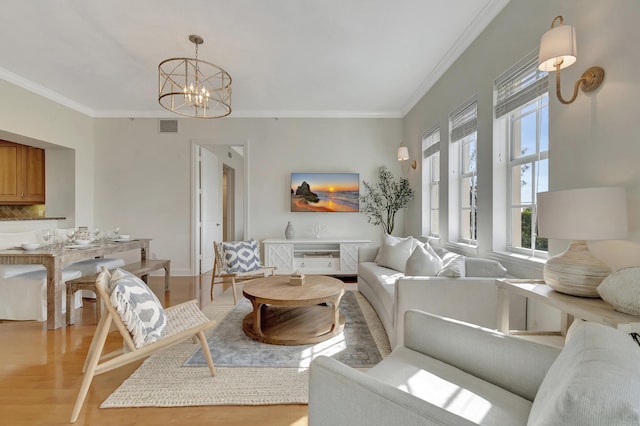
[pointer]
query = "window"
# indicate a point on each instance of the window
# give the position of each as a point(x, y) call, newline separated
point(463, 124)
point(522, 114)
point(431, 182)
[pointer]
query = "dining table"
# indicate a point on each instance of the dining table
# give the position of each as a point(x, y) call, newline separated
point(55, 257)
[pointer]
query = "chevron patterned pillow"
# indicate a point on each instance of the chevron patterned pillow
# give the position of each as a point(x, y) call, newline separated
point(241, 256)
point(139, 309)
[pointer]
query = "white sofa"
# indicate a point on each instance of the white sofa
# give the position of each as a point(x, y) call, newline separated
point(453, 373)
point(468, 298)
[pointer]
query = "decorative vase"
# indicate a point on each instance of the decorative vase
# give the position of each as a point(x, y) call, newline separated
point(288, 232)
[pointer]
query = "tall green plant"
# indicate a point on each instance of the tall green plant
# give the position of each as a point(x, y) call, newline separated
point(382, 200)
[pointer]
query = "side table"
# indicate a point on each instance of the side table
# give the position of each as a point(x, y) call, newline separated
point(571, 307)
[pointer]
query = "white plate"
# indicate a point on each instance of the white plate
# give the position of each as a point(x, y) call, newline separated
point(78, 246)
point(122, 240)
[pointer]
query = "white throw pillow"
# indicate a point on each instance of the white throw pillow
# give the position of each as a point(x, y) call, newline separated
point(421, 263)
point(389, 240)
point(594, 381)
point(139, 309)
point(622, 290)
point(452, 266)
point(395, 256)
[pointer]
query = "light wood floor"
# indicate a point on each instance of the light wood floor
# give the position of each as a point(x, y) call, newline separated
point(40, 374)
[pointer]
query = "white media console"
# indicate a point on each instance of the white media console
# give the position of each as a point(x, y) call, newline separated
point(313, 256)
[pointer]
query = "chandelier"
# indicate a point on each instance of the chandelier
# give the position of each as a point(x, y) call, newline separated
point(193, 87)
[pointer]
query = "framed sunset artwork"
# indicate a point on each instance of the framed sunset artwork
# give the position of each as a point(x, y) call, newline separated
point(325, 192)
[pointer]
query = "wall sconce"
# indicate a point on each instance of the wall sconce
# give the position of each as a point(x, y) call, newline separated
point(403, 155)
point(558, 50)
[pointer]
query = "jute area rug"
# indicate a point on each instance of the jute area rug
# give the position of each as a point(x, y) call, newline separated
point(163, 380)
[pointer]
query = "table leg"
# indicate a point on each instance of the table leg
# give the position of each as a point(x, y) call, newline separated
point(336, 313)
point(503, 310)
point(257, 317)
point(55, 319)
point(144, 248)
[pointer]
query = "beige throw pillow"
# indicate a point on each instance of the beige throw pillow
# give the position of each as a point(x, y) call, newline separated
point(452, 266)
point(394, 254)
point(594, 381)
point(622, 290)
point(421, 263)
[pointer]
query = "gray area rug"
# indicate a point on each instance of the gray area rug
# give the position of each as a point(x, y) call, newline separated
point(231, 347)
point(162, 381)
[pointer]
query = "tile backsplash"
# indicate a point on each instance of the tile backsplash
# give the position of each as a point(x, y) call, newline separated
point(22, 211)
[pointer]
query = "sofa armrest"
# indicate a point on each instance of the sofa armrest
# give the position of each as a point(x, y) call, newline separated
point(473, 300)
point(341, 395)
point(509, 362)
point(367, 253)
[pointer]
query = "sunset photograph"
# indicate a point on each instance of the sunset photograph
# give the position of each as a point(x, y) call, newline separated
point(325, 192)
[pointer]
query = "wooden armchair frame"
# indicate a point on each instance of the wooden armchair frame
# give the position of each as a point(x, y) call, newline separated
point(184, 321)
point(235, 277)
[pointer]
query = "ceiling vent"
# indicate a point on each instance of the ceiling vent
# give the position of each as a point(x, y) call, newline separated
point(168, 126)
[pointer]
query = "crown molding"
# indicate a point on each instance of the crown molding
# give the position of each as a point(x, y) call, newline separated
point(484, 18)
point(44, 92)
point(257, 114)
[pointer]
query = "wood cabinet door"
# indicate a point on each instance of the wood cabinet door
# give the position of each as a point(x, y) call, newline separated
point(11, 172)
point(34, 186)
point(22, 179)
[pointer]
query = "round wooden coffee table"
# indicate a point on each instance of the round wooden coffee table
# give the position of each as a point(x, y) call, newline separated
point(285, 314)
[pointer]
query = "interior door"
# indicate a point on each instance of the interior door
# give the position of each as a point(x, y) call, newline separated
point(210, 207)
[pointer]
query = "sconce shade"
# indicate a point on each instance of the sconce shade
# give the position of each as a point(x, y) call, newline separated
point(583, 214)
point(403, 153)
point(557, 44)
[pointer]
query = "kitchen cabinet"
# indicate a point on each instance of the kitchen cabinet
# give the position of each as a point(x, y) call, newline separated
point(22, 178)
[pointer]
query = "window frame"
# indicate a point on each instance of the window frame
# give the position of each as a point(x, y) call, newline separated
point(431, 181)
point(463, 131)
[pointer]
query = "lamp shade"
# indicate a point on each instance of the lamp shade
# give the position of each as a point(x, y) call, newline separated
point(583, 214)
point(557, 44)
point(403, 153)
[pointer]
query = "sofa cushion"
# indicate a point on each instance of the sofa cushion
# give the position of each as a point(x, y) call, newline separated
point(451, 389)
point(480, 267)
point(594, 381)
point(422, 263)
point(452, 266)
point(394, 254)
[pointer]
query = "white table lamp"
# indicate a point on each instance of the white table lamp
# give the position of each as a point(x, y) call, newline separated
point(580, 215)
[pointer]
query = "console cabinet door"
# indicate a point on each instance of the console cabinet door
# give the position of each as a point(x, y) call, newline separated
point(280, 256)
point(349, 257)
point(22, 178)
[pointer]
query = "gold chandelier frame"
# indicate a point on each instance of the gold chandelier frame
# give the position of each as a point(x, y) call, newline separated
point(194, 88)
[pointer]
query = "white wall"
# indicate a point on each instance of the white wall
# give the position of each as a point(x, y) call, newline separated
point(593, 141)
point(143, 178)
point(30, 119)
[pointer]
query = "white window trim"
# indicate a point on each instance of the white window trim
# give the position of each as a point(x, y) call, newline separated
point(430, 154)
point(463, 122)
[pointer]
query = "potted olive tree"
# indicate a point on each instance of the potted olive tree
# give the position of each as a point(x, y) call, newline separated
point(382, 200)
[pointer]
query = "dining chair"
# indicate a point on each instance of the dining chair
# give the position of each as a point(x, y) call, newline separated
point(237, 261)
point(145, 327)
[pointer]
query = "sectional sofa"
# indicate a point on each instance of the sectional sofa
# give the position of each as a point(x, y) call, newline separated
point(462, 288)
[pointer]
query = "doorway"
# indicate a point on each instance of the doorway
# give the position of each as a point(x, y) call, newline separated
point(220, 198)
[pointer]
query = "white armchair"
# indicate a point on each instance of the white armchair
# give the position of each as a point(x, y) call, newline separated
point(453, 373)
